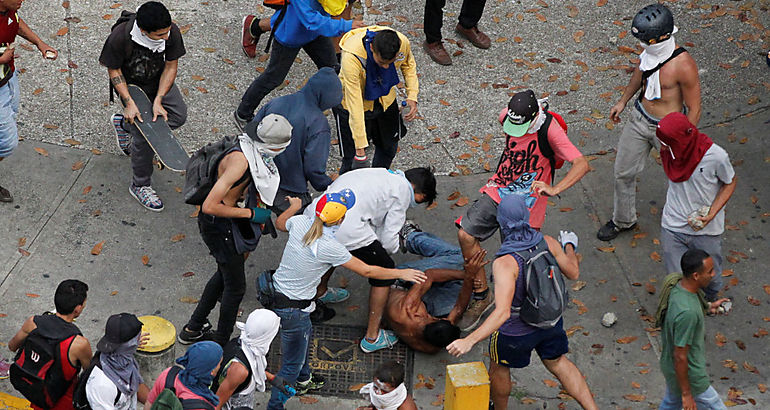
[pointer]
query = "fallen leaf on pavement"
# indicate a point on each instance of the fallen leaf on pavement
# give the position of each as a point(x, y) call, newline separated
point(720, 339)
point(750, 368)
point(77, 165)
point(24, 252)
point(41, 151)
point(550, 383)
point(308, 400)
point(462, 201)
point(145, 259)
point(97, 249)
point(62, 31)
point(178, 237)
point(579, 285)
point(650, 288)
point(606, 249)
point(113, 293)
point(453, 196)
point(626, 340)
point(87, 189)
point(356, 387)
point(753, 301)
point(439, 400)
point(32, 295)
point(188, 274)
point(632, 397)
point(188, 299)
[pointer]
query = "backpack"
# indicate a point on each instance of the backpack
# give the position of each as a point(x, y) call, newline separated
point(201, 169)
point(266, 289)
point(545, 145)
point(79, 396)
point(232, 350)
point(547, 296)
point(37, 369)
point(167, 399)
point(281, 6)
point(127, 17)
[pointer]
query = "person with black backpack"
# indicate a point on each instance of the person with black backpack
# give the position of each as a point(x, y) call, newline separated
point(536, 146)
point(143, 49)
point(530, 298)
point(113, 381)
point(50, 351)
point(296, 25)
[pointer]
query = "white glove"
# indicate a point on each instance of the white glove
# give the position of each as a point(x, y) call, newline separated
point(566, 237)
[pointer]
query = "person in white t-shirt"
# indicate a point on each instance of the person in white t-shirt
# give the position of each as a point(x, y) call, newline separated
point(310, 254)
point(701, 181)
point(115, 382)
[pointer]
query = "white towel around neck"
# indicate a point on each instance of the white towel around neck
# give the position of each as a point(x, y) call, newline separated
point(156, 46)
point(387, 401)
point(263, 170)
point(650, 58)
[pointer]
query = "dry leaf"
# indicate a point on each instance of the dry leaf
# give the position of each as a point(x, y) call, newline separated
point(37, 91)
point(655, 256)
point(753, 301)
point(631, 397)
point(202, 90)
point(113, 293)
point(462, 201)
point(145, 260)
point(453, 196)
point(444, 102)
point(440, 82)
point(22, 241)
point(540, 17)
point(87, 189)
point(578, 36)
point(41, 151)
point(550, 383)
point(727, 273)
point(178, 237)
point(439, 400)
point(762, 387)
point(418, 147)
point(750, 368)
point(636, 385)
point(62, 31)
point(356, 387)
point(188, 299)
point(32, 295)
point(579, 285)
point(606, 249)
point(650, 288)
point(765, 287)
point(573, 11)
point(308, 400)
point(720, 339)
point(565, 209)
point(626, 340)
point(97, 249)
point(24, 252)
point(188, 274)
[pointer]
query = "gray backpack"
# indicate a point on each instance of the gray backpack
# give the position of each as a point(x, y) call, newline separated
point(547, 296)
point(201, 170)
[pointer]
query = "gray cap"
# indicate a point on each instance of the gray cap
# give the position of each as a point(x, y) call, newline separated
point(273, 130)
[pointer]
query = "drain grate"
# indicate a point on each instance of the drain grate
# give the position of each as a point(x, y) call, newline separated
point(334, 354)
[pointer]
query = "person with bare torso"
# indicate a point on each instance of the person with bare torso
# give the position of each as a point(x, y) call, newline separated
point(668, 78)
point(425, 315)
point(231, 232)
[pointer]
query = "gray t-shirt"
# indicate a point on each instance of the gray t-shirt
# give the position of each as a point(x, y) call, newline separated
point(682, 198)
point(300, 271)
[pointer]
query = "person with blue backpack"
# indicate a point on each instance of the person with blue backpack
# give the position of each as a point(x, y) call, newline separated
point(296, 25)
point(530, 297)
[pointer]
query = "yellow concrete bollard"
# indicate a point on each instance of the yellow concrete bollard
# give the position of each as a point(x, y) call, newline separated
point(9, 402)
point(467, 387)
point(158, 353)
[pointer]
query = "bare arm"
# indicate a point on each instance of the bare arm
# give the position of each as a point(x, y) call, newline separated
point(634, 84)
point(565, 257)
point(408, 404)
point(167, 78)
point(680, 367)
point(576, 172)
point(471, 267)
point(33, 38)
point(80, 351)
point(18, 339)
point(118, 81)
point(723, 195)
point(505, 271)
point(236, 374)
point(142, 392)
point(377, 272)
point(234, 167)
point(690, 86)
point(294, 205)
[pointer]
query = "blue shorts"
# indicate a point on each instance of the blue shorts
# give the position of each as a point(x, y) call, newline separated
point(515, 351)
point(9, 109)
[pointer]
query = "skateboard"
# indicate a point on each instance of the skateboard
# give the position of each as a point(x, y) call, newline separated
point(158, 134)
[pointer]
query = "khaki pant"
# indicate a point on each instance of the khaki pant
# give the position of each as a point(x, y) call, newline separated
point(636, 140)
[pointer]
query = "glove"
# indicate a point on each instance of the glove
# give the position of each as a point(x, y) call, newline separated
point(259, 215)
point(566, 237)
point(361, 162)
point(283, 386)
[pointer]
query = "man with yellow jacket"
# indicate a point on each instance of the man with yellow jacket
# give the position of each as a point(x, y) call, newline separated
point(370, 59)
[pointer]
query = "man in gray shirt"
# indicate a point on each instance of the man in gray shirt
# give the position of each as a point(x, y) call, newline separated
point(701, 181)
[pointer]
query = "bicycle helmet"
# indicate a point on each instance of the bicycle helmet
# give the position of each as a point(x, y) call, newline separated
point(653, 24)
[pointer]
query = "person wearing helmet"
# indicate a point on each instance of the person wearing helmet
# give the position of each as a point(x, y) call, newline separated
point(311, 253)
point(667, 78)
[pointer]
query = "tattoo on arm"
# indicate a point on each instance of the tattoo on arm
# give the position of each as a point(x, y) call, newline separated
point(118, 80)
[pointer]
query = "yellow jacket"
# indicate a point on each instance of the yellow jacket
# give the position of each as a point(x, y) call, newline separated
point(353, 78)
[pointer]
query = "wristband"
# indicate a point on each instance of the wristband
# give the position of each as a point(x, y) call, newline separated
point(259, 215)
point(357, 158)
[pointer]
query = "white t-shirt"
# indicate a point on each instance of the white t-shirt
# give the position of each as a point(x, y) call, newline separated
point(300, 271)
point(101, 393)
point(682, 198)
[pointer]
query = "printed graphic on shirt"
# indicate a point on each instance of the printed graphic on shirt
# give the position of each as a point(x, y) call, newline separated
point(522, 186)
point(521, 166)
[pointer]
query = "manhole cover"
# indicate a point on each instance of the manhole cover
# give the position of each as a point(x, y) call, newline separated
point(334, 354)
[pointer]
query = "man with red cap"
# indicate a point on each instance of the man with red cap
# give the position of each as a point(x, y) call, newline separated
point(701, 181)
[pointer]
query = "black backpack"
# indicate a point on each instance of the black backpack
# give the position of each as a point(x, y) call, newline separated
point(201, 169)
point(127, 17)
point(232, 350)
point(79, 397)
point(37, 369)
point(546, 290)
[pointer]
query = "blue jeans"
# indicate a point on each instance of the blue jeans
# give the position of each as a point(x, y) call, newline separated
point(438, 254)
point(707, 400)
point(675, 244)
point(296, 331)
point(9, 109)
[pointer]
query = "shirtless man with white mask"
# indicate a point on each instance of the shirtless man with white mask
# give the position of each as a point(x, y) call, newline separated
point(668, 78)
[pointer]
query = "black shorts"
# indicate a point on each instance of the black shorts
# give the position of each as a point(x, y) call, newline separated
point(375, 254)
point(480, 221)
point(515, 351)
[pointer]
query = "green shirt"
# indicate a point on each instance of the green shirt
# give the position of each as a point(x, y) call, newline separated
point(685, 326)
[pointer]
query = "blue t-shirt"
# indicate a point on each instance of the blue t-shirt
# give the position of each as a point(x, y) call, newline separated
point(300, 270)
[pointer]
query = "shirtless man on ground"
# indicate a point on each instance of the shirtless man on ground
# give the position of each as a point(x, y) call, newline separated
point(668, 78)
point(428, 328)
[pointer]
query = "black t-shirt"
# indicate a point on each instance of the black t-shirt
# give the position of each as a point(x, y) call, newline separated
point(139, 64)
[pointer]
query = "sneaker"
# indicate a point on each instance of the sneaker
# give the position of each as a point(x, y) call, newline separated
point(147, 197)
point(122, 136)
point(475, 312)
point(188, 337)
point(386, 338)
point(248, 40)
point(315, 382)
point(5, 195)
point(239, 122)
point(611, 231)
point(409, 227)
point(335, 295)
point(321, 313)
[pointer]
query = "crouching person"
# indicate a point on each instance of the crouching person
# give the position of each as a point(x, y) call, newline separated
point(310, 254)
point(387, 391)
